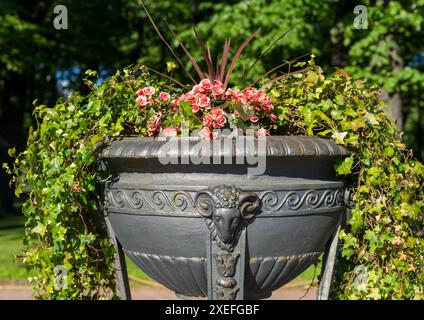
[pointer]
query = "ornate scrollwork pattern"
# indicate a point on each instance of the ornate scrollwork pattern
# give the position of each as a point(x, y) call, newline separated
point(183, 202)
point(274, 201)
point(159, 201)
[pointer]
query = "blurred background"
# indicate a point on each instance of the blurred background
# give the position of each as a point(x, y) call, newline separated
point(46, 45)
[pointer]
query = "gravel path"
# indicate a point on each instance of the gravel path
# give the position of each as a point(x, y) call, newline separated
point(10, 292)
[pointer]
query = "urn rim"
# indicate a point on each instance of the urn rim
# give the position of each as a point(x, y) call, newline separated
point(275, 146)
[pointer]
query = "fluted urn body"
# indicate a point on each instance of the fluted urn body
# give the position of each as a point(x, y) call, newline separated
point(205, 229)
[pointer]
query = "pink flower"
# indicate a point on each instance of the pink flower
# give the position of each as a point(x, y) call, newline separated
point(235, 96)
point(142, 101)
point(207, 134)
point(204, 101)
point(263, 98)
point(263, 132)
point(139, 92)
point(153, 131)
point(189, 97)
point(175, 103)
point(229, 93)
point(217, 88)
point(238, 94)
point(153, 125)
point(250, 93)
point(149, 91)
point(268, 107)
point(207, 121)
point(197, 89)
point(215, 119)
point(219, 117)
point(254, 118)
point(273, 117)
point(195, 107)
point(169, 132)
point(206, 84)
point(165, 96)
point(244, 100)
point(217, 91)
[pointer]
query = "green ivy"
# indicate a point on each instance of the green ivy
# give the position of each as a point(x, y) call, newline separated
point(381, 236)
point(59, 168)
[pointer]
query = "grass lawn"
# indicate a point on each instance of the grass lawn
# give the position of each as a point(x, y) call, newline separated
point(11, 234)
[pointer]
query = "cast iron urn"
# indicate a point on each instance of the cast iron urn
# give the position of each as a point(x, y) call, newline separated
point(214, 230)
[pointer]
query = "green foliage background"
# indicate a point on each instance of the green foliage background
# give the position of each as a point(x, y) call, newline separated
point(59, 165)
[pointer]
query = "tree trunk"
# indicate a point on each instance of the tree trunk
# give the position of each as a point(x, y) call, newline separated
point(394, 100)
point(394, 109)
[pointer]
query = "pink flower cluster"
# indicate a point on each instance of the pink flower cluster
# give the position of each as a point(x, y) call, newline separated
point(255, 100)
point(210, 104)
point(201, 95)
point(215, 119)
point(145, 97)
point(154, 125)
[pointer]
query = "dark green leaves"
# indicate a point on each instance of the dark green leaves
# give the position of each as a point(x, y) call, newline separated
point(345, 166)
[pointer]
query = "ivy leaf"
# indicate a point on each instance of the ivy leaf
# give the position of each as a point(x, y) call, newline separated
point(374, 294)
point(118, 125)
point(242, 124)
point(339, 99)
point(39, 229)
point(371, 237)
point(171, 66)
point(345, 167)
point(324, 133)
point(11, 152)
point(339, 137)
point(357, 124)
point(371, 119)
point(312, 77)
point(187, 112)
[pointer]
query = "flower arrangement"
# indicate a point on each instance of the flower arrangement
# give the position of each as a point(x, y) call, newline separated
point(209, 106)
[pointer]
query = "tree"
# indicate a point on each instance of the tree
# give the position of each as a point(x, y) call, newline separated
point(385, 52)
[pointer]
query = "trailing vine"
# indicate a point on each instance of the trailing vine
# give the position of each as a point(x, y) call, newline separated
point(60, 171)
point(382, 254)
